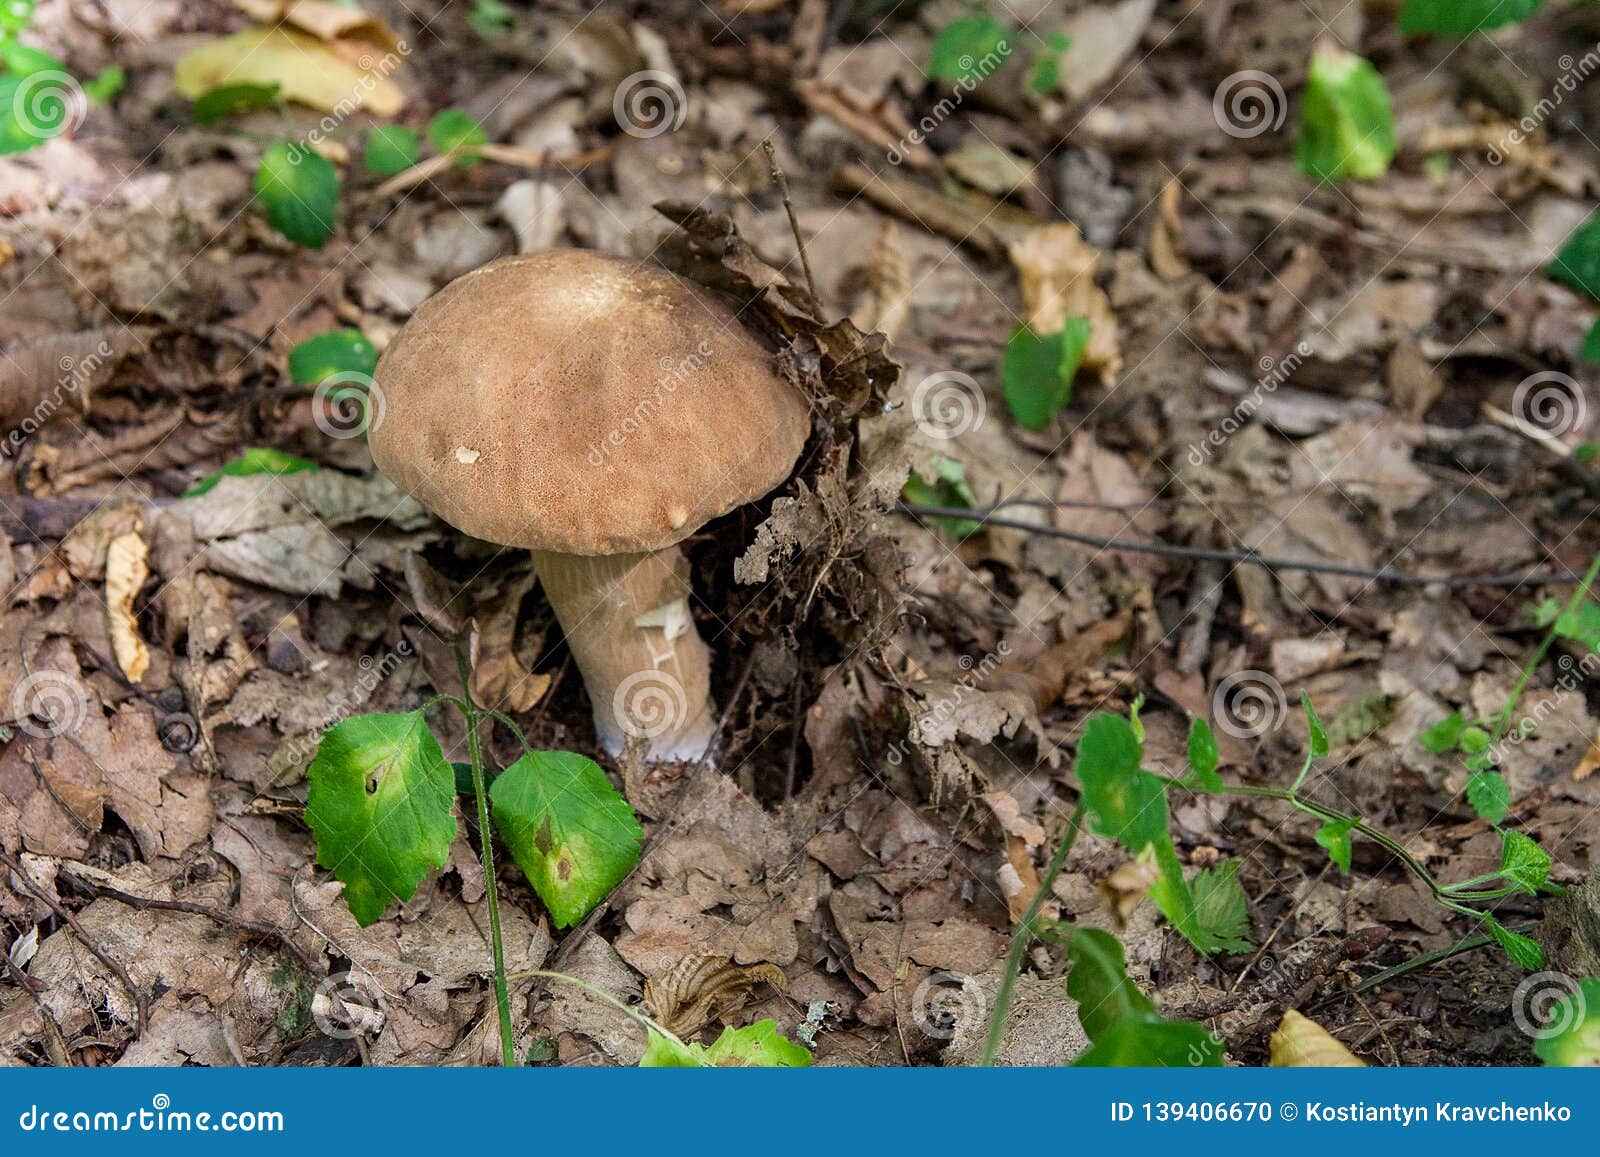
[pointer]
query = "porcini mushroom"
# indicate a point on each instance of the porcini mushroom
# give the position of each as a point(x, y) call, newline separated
point(595, 412)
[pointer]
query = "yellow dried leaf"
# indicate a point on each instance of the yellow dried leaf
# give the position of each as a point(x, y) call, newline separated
point(1057, 267)
point(1302, 1043)
point(305, 69)
point(125, 574)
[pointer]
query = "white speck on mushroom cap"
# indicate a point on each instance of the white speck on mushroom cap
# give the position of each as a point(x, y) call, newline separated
point(467, 457)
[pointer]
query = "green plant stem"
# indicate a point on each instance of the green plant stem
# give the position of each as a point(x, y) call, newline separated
point(1503, 720)
point(1023, 936)
point(480, 788)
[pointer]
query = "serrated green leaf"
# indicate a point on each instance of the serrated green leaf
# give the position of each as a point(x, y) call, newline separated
point(1203, 756)
point(1037, 370)
point(1489, 794)
point(454, 131)
point(1135, 1043)
point(570, 831)
point(1578, 262)
point(256, 460)
point(379, 807)
point(339, 351)
point(227, 99)
point(962, 45)
point(1571, 1037)
point(1523, 863)
point(1463, 17)
point(1346, 121)
point(1099, 982)
point(1444, 735)
point(299, 190)
point(1524, 952)
point(1124, 802)
point(756, 1046)
point(1334, 837)
point(391, 149)
point(1221, 909)
point(1318, 737)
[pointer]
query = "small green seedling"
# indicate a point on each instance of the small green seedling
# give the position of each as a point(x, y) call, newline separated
point(1037, 371)
point(299, 191)
point(1044, 71)
point(1347, 121)
point(391, 149)
point(1463, 17)
point(257, 460)
point(454, 131)
point(962, 45)
point(490, 18)
point(948, 488)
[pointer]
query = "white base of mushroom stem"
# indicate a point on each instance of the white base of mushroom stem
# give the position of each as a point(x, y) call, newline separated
point(648, 672)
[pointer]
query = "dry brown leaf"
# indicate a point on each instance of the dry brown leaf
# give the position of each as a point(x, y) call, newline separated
point(686, 997)
point(1302, 1043)
point(324, 20)
point(1057, 269)
point(888, 301)
point(126, 571)
point(307, 70)
point(1166, 239)
point(1019, 879)
point(1125, 889)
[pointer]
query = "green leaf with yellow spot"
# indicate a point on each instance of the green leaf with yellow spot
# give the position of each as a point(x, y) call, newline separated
point(570, 831)
point(379, 807)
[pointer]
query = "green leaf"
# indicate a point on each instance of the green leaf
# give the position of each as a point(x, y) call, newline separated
point(299, 190)
point(1334, 836)
point(1318, 737)
point(36, 103)
point(391, 149)
point(1203, 756)
point(379, 807)
point(757, 1046)
point(453, 130)
point(949, 488)
point(24, 60)
point(1134, 1043)
point(1463, 17)
point(1578, 262)
point(227, 99)
point(1221, 909)
point(103, 86)
point(1579, 625)
point(1523, 863)
point(1524, 952)
point(1044, 72)
point(1346, 121)
point(1123, 801)
point(665, 1052)
point(1489, 794)
point(15, 15)
point(1473, 741)
point(570, 831)
point(1036, 370)
point(1444, 735)
point(490, 18)
point(1100, 984)
point(962, 46)
point(1571, 1037)
point(339, 351)
point(256, 460)
point(1591, 347)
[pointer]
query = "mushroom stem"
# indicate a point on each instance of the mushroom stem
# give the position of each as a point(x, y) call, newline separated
point(627, 621)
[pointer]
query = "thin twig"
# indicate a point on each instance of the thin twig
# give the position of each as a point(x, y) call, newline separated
point(794, 222)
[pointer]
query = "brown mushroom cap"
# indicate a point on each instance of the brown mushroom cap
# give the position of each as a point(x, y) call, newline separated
point(577, 402)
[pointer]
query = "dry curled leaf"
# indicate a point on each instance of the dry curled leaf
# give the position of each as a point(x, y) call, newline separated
point(697, 988)
point(888, 300)
point(1302, 1043)
point(126, 571)
point(1019, 879)
point(306, 70)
